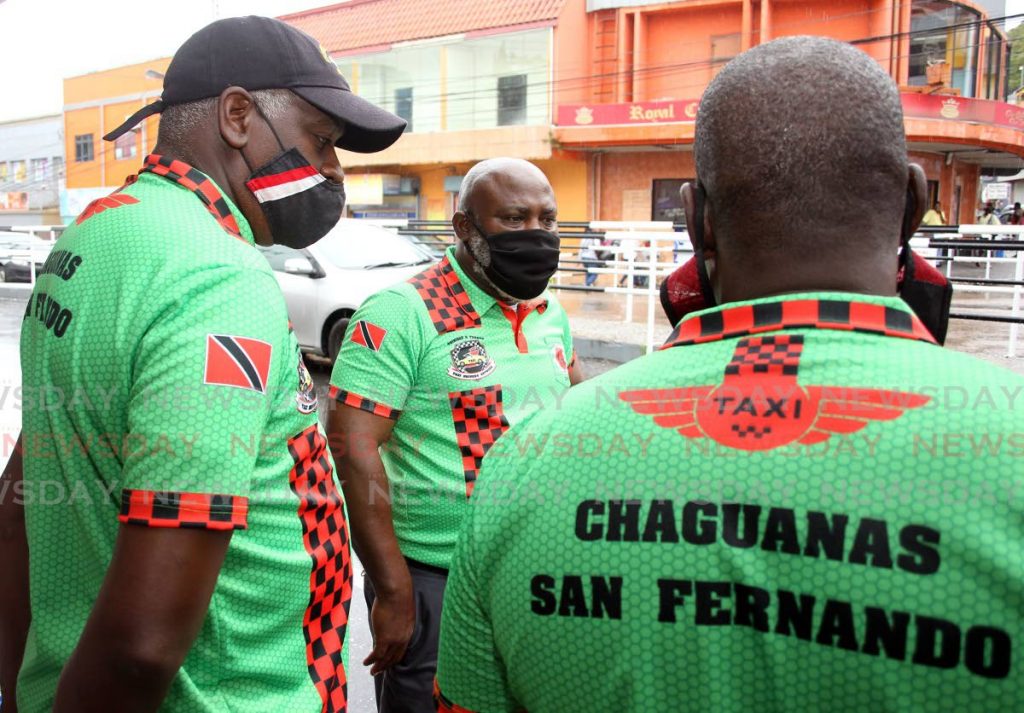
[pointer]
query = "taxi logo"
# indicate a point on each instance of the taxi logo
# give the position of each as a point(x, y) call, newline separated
point(470, 360)
point(760, 406)
point(305, 398)
point(558, 355)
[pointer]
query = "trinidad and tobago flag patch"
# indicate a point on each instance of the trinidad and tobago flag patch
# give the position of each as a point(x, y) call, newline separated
point(368, 335)
point(237, 361)
point(760, 405)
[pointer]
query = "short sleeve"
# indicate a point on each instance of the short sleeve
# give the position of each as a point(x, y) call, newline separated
point(378, 363)
point(470, 673)
point(200, 397)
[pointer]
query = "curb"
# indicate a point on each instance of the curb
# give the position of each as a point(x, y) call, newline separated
point(15, 291)
point(617, 352)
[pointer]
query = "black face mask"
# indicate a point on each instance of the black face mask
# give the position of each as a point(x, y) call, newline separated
point(300, 205)
point(522, 261)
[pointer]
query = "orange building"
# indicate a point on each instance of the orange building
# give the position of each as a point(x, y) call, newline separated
point(95, 104)
point(601, 94)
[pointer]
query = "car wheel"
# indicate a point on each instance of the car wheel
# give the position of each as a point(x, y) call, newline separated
point(334, 338)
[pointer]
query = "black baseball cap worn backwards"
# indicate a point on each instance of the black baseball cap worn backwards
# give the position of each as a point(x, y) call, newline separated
point(263, 53)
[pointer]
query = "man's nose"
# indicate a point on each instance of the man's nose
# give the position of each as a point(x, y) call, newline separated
point(333, 171)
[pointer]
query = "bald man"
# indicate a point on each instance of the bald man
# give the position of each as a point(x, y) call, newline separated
point(431, 372)
point(789, 522)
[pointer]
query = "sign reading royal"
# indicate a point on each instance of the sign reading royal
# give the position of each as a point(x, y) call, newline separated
point(663, 112)
point(917, 106)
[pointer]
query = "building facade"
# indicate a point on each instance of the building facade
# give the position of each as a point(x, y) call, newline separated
point(93, 105)
point(601, 94)
point(31, 170)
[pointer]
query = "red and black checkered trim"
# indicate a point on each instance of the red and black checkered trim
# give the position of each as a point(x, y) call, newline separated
point(361, 402)
point(445, 298)
point(775, 355)
point(201, 511)
point(325, 536)
point(184, 175)
point(479, 422)
point(444, 705)
point(843, 315)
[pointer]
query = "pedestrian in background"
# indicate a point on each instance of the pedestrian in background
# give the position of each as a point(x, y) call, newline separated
point(588, 255)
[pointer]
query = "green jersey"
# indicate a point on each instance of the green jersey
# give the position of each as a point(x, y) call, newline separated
point(163, 387)
point(800, 503)
point(454, 368)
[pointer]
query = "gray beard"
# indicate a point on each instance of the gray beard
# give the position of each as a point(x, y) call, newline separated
point(478, 249)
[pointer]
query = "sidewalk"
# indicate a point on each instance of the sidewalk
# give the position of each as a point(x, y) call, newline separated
point(600, 331)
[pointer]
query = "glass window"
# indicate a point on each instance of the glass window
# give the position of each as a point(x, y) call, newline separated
point(403, 105)
point(3, 171)
point(277, 254)
point(19, 171)
point(83, 147)
point(994, 58)
point(39, 166)
point(474, 98)
point(944, 45)
point(512, 100)
point(666, 203)
point(387, 78)
point(125, 146)
point(520, 61)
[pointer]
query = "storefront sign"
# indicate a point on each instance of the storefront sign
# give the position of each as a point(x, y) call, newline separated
point(14, 200)
point(917, 106)
point(976, 111)
point(666, 112)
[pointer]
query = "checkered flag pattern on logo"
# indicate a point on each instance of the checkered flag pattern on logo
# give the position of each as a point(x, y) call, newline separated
point(325, 535)
point(446, 300)
point(778, 355)
point(479, 421)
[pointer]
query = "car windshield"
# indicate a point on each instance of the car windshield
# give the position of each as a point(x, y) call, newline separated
point(355, 246)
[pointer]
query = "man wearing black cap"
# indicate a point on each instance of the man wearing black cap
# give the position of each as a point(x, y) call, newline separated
point(191, 553)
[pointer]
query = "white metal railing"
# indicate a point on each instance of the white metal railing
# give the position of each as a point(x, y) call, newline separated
point(640, 249)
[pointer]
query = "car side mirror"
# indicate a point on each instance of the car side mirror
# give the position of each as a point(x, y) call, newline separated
point(299, 266)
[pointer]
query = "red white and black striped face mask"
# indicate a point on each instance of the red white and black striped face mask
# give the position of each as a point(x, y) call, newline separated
point(300, 205)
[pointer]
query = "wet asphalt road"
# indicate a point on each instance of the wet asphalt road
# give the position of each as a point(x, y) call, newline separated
point(361, 698)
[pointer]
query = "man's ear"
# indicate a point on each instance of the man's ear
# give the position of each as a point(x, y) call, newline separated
point(688, 194)
point(917, 197)
point(235, 109)
point(462, 224)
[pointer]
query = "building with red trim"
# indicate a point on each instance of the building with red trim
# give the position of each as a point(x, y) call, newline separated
point(602, 94)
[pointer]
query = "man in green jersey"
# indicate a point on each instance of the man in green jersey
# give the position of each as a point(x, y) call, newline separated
point(431, 372)
point(176, 540)
point(800, 502)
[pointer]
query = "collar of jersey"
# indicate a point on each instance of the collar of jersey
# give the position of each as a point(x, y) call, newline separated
point(867, 314)
point(202, 186)
point(480, 300)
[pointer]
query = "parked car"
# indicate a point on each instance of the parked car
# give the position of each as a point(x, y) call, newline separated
point(325, 283)
point(15, 251)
